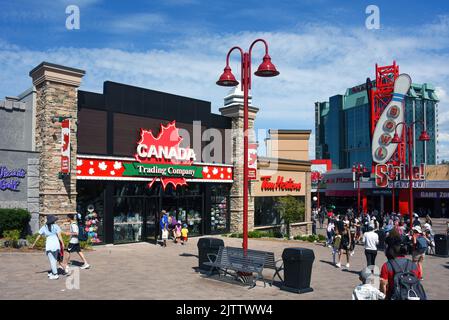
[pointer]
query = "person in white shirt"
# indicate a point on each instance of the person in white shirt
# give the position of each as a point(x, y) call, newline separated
point(370, 241)
point(367, 290)
point(74, 243)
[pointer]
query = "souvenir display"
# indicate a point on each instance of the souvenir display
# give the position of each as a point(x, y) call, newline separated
point(91, 224)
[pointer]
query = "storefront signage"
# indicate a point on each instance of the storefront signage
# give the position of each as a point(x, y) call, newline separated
point(382, 149)
point(65, 146)
point(161, 170)
point(252, 161)
point(433, 194)
point(97, 168)
point(280, 184)
point(9, 178)
point(163, 149)
point(384, 173)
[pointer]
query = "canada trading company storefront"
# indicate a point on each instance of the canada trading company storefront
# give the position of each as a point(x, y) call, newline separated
point(137, 156)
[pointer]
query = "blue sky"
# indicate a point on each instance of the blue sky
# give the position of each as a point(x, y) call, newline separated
point(321, 47)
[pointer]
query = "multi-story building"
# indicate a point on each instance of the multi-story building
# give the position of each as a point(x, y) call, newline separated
point(342, 126)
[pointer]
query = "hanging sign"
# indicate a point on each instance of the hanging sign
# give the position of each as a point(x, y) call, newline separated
point(65, 146)
point(382, 149)
point(252, 161)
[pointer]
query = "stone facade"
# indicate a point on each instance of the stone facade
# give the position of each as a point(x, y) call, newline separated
point(234, 108)
point(56, 88)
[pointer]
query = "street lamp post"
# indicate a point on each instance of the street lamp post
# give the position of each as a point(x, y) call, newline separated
point(358, 169)
point(227, 79)
point(409, 133)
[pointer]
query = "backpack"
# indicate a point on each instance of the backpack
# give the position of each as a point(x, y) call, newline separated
point(421, 245)
point(407, 286)
point(82, 234)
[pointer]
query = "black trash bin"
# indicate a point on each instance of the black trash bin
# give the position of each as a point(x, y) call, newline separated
point(381, 234)
point(207, 246)
point(297, 269)
point(441, 245)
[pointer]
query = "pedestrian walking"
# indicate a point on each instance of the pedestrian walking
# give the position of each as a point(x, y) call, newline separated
point(74, 243)
point(330, 231)
point(53, 244)
point(399, 276)
point(370, 242)
point(345, 246)
point(420, 246)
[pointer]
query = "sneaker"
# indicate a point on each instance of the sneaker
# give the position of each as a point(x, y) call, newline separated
point(338, 265)
point(49, 274)
point(53, 277)
point(67, 269)
point(85, 266)
point(352, 253)
point(347, 265)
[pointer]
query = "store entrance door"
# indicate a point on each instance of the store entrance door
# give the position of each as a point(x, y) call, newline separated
point(151, 222)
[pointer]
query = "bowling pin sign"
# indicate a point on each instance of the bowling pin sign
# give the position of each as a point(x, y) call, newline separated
point(382, 149)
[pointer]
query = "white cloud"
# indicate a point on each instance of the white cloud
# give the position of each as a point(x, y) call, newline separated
point(315, 62)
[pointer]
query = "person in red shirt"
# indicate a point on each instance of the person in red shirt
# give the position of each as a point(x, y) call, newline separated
point(395, 251)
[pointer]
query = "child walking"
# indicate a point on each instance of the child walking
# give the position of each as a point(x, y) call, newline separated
point(74, 243)
point(184, 233)
point(164, 236)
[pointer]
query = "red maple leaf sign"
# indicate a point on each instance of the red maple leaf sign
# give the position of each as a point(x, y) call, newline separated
point(65, 143)
point(168, 138)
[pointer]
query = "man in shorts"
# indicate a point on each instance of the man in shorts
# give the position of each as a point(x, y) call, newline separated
point(74, 243)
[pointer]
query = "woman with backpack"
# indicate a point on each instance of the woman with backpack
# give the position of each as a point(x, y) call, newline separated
point(74, 243)
point(53, 244)
point(399, 276)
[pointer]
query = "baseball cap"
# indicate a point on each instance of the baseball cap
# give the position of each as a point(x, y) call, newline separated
point(417, 229)
point(365, 274)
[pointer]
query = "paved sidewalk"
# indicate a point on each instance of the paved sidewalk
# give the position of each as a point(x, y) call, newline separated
point(147, 271)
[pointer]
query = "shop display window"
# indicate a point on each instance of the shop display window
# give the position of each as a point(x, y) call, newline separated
point(219, 211)
point(128, 219)
point(90, 204)
point(267, 211)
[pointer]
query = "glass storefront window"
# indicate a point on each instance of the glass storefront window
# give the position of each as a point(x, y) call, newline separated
point(128, 219)
point(219, 213)
point(267, 211)
point(91, 193)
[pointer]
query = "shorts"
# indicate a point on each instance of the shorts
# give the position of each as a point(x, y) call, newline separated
point(184, 238)
point(73, 247)
point(416, 256)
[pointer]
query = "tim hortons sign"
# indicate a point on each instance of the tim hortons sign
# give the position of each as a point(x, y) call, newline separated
point(388, 172)
point(280, 184)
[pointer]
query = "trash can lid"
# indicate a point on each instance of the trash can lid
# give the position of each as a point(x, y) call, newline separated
point(210, 242)
point(301, 254)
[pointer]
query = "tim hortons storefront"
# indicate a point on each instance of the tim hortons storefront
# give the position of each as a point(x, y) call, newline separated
point(121, 156)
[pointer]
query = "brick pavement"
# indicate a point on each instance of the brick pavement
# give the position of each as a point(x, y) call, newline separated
point(147, 271)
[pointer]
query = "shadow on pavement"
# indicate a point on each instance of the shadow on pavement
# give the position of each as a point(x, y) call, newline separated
point(328, 262)
point(188, 255)
point(351, 271)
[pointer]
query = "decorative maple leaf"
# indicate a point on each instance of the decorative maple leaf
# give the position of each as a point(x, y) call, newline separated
point(168, 137)
point(65, 143)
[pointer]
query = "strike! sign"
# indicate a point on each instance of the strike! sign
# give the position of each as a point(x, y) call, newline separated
point(388, 172)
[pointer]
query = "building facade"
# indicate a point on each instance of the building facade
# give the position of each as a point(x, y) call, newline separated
point(121, 156)
point(343, 132)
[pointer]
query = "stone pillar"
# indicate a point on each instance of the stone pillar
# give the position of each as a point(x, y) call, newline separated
point(233, 108)
point(56, 88)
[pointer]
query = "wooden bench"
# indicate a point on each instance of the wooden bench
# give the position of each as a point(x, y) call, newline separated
point(233, 259)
